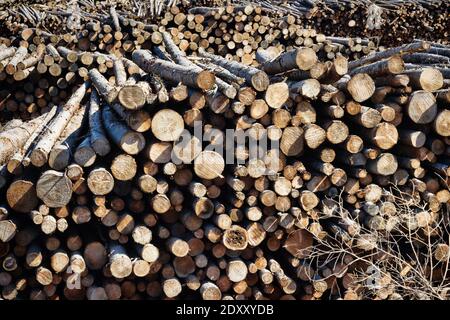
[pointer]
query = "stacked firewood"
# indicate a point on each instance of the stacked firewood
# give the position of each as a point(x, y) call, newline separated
point(112, 194)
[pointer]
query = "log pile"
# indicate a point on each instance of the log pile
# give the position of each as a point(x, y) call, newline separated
point(131, 187)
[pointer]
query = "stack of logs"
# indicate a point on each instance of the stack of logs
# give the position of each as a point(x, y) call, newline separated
point(105, 196)
point(54, 63)
point(392, 22)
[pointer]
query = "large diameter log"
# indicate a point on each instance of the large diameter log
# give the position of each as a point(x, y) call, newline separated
point(167, 125)
point(204, 80)
point(385, 164)
point(135, 96)
point(21, 196)
point(361, 87)
point(441, 123)
point(54, 189)
point(428, 79)
point(301, 58)
point(277, 94)
point(422, 107)
point(209, 165)
point(298, 243)
point(129, 141)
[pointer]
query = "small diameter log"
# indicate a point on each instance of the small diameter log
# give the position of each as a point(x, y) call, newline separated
point(171, 287)
point(209, 291)
point(236, 270)
point(129, 141)
point(18, 57)
point(8, 230)
point(292, 141)
point(298, 243)
point(256, 78)
point(100, 181)
point(104, 88)
point(61, 152)
point(408, 48)
point(235, 238)
point(123, 167)
point(204, 80)
point(40, 153)
point(441, 123)
point(119, 262)
point(84, 154)
point(178, 247)
point(54, 189)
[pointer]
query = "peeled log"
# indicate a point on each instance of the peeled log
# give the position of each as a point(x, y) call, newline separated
point(54, 189)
